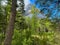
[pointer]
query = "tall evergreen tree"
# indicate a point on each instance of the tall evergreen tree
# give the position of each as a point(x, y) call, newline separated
point(10, 28)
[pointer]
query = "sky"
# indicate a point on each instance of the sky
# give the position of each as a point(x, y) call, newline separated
point(27, 2)
point(53, 7)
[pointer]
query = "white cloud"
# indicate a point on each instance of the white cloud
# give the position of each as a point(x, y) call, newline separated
point(27, 7)
point(26, 2)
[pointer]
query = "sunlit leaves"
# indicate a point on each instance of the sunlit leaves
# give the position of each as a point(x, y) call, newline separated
point(34, 10)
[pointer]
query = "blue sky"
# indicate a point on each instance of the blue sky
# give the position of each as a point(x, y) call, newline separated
point(53, 7)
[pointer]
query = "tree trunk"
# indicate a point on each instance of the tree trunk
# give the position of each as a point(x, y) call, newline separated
point(10, 28)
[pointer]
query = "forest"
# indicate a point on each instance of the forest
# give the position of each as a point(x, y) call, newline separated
point(36, 22)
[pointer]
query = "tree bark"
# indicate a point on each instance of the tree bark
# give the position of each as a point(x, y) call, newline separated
point(10, 28)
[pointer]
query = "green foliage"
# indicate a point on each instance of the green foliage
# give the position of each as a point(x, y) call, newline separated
point(4, 18)
point(28, 31)
point(32, 35)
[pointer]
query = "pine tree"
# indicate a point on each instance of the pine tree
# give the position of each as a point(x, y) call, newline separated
point(10, 28)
